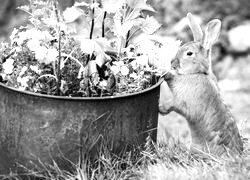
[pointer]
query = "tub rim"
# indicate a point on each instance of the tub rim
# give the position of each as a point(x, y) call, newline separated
point(82, 98)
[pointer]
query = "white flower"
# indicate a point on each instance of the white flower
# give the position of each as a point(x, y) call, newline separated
point(21, 38)
point(23, 81)
point(118, 63)
point(41, 54)
point(124, 70)
point(8, 66)
point(44, 55)
point(133, 75)
point(33, 35)
point(51, 55)
point(45, 36)
point(39, 35)
point(23, 70)
point(33, 45)
point(115, 69)
point(103, 84)
point(35, 69)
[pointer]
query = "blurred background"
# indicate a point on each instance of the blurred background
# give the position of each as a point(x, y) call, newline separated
point(231, 55)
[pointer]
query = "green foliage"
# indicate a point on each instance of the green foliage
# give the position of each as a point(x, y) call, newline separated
point(68, 53)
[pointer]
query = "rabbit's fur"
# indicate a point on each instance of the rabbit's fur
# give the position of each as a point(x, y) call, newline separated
point(196, 95)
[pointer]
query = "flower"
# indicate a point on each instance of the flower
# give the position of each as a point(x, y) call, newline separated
point(8, 66)
point(103, 84)
point(23, 81)
point(33, 51)
point(51, 55)
point(35, 69)
point(39, 35)
point(33, 45)
point(124, 70)
point(31, 34)
point(133, 75)
point(41, 54)
point(44, 55)
point(23, 70)
point(115, 69)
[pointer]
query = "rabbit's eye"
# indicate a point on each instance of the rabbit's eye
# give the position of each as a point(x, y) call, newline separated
point(189, 53)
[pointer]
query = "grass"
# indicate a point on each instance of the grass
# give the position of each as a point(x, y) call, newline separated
point(154, 162)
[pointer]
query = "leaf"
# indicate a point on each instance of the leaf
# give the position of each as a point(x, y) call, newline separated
point(81, 26)
point(103, 43)
point(64, 86)
point(102, 59)
point(90, 46)
point(92, 68)
point(132, 18)
point(111, 84)
point(121, 30)
point(87, 46)
point(150, 25)
point(137, 6)
point(140, 4)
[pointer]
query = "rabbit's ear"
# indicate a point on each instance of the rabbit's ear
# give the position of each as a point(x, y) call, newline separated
point(195, 27)
point(212, 33)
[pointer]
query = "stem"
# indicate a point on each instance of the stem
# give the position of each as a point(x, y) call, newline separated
point(91, 29)
point(103, 24)
point(120, 40)
point(127, 39)
point(58, 70)
point(56, 11)
point(59, 63)
point(93, 22)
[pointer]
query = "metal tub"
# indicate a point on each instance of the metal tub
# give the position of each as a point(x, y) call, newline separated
point(37, 128)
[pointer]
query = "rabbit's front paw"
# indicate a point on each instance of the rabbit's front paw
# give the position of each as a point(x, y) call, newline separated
point(169, 75)
point(165, 108)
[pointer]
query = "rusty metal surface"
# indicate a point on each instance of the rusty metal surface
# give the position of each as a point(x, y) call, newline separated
point(39, 127)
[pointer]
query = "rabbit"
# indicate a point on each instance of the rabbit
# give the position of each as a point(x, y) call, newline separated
point(196, 95)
